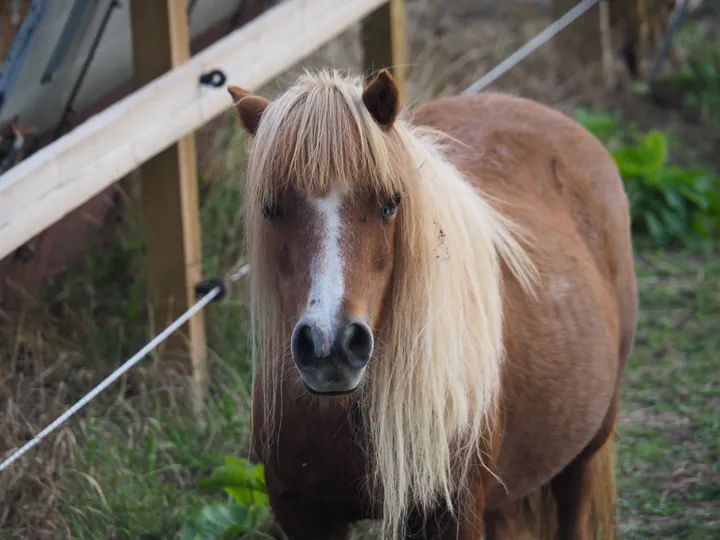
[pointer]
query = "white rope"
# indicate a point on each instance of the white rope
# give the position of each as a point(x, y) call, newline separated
point(119, 372)
point(510, 62)
point(530, 47)
point(240, 272)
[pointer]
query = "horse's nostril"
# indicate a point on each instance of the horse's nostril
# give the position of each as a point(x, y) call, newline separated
point(357, 342)
point(313, 346)
point(303, 344)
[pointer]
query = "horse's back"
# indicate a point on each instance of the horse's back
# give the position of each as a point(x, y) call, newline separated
point(544, 169)
point(566, 349)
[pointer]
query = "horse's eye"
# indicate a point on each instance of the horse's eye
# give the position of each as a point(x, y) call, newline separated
point(390, 208)
point(272, 211)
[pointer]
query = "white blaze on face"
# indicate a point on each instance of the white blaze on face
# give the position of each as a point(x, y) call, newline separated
point(327, 284)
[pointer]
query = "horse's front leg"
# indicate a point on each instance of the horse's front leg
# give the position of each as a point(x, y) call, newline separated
point(464, 523)
point(438, 524)
point(501, 524)
point(442, 525)
point(471, 523)
point(304, 519)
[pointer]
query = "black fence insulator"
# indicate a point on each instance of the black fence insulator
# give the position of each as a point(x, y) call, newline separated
point(24, 253)
point(204, 287)
point(214, 78)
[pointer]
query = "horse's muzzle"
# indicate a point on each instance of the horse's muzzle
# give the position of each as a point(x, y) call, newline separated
point(328, 380)
point(331, 362)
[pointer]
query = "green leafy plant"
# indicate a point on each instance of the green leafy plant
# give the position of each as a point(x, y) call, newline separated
point(246, 512)
point(669, 204)
point(604, 125)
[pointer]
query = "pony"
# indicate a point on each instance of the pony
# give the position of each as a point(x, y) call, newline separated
point(442, 302)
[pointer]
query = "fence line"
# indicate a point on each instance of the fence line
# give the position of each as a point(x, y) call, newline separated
point(129, 364)
point(45, 187)
point(531, 46)
point(507, 64)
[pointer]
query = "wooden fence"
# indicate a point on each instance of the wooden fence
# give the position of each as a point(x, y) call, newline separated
point(152, 130)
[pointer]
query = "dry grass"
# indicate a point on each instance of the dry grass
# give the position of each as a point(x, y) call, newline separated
point(136, 451)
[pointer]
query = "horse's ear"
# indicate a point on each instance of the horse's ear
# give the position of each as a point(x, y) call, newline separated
point(249, 108)
point(382, 99)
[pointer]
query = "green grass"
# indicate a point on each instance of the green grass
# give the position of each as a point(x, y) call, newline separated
point(128, 465)
point(668, 464)
point(136, 473)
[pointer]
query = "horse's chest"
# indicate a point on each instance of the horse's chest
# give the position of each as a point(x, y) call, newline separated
point(319, 462)
point(316, 473)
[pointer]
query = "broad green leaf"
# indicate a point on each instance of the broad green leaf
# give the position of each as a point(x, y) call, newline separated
point(674, 200)
point(655, 144)
point(216, 520)
point(247, 496)
point(243, 482)
point(239, 462)
point(604, 126)
point(673, 223)
point(233, 475)
point(655, 228)
point(702, 225)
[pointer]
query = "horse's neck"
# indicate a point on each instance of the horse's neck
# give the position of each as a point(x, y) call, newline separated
point(317, 413)
point(306, 423)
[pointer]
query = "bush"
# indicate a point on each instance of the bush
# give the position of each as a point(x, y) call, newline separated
point(669, 204)
point(246, 513)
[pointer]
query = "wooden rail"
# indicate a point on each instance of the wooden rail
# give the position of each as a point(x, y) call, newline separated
point(152, 129)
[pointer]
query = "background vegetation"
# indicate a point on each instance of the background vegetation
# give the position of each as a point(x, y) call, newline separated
point(136, 463)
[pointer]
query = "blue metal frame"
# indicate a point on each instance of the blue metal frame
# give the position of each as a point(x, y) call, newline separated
point(29, 30)
point(73, 22)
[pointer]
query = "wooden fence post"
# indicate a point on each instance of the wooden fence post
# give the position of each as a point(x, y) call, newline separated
point(161, 41)
point(642, 25)
point(384, 42)
point(579, 47)
point(633, 28)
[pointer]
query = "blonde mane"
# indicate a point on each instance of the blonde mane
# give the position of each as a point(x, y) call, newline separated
point(430, 395)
